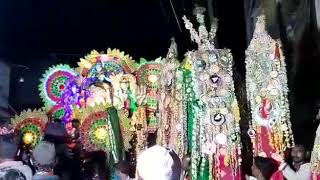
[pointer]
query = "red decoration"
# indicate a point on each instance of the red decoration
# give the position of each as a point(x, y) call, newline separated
point(277, 52)
point(265, 109)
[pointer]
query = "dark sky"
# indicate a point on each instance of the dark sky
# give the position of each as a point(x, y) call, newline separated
point(76, 27)
point(141, 28)
point(31, 30)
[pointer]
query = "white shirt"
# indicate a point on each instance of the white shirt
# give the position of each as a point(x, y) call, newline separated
point(304, 172)
point(250, 177)
point(18, 165)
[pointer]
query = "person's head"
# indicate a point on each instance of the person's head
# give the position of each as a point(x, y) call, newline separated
point(75, 123)
point(44, 155)
point(8, 144)
point(151, 139)
point(299, 154)
point(13, 174)
point(264, 167)
point(55, 132)
point(186, 162)
point(155, 163)
point(56, 120)
point(124, 169)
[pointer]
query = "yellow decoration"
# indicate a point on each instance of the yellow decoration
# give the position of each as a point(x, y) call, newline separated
point(152, 78)
point(101, 133)
point(28, 138)
point(91, 59)
point(187, 64)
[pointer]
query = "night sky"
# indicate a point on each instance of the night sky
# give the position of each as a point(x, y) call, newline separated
point(39, 34)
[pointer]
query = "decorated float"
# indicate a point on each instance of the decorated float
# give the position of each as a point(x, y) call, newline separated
point(215, 122)
point(187, 106)
point(266, 78)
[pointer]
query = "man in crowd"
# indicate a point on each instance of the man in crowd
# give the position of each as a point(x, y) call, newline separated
point(158, 163)
point(9, 167)
point(44, 156)
point(300, 169)
point(186, 163)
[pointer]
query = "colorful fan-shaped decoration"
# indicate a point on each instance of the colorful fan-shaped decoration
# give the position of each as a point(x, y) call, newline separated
point(149, 73)
point(96, 129)
point(31, 125)
point(103, 66)
point(53, 83)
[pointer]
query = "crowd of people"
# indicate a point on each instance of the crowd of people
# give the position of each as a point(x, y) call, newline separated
point(60, 156)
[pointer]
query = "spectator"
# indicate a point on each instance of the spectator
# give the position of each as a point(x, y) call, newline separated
point(263, 168)
point(9, 168)
point(157, 163)
point(123, 171)
point(186, 163)
point(44, 155)
point(301, 168)
point(56, 133)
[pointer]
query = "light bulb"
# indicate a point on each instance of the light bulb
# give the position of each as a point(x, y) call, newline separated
point(28, 138)
point(21, 79)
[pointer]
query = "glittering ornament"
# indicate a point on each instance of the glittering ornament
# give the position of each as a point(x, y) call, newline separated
point(251, 133)
point(218, 119)
point(221, 138)
point(267, 93)
point(215, 79)
point(215, 117)
point(315, 156)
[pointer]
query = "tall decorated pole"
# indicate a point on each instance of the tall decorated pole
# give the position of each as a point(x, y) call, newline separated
point(148, 76)
point(216, 151)
point(315, 157)
point(266, 78)
point(173, 125)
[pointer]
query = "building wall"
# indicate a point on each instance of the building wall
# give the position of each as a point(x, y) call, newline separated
point(5, 83)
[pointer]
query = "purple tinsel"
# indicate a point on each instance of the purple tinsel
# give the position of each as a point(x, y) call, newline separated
point(73, 95)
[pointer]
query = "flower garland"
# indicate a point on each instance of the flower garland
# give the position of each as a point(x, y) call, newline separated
point(192, 116)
